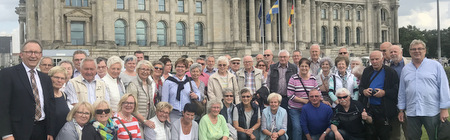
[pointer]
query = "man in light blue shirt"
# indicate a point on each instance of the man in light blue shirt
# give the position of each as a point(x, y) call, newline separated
point(177, 90)
point(423, 93)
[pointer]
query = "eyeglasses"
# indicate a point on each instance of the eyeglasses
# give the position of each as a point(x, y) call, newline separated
point(261, 65)
point(222, 65)
point(165, 113)
point(29, 53)
point(100, 111)
point(46, 65)
point(416, 49)
point(83, 113)
point(59, 78)
point(266, 55)
point(128, 103)
point(343, 97)
point(314, 96)
point(246, 96)
point(229, 95)
point(158, 68)
point(142, 69)
point(181, 67)
point(343, 53)
point(236, 63)
point(246, 62)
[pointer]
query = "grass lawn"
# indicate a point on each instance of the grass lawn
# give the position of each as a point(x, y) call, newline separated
point(424, 132)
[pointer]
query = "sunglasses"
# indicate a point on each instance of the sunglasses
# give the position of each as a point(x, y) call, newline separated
point(100, 111)
point(158, 68)
point(246, 96)
point(267, 55)
point(202, 64)
point(261, 65)
point(343, 53)
point(235, 63)
point(343, 97)
point(229, 96)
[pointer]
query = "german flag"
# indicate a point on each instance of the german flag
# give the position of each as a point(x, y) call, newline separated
point(291, 16)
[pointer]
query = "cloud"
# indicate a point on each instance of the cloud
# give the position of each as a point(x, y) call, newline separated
point(424, 15)
point(8, 8)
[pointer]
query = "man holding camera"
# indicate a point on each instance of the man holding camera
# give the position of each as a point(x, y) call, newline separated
point(378, 92)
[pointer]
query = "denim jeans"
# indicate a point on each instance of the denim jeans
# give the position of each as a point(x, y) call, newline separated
point(296, 134)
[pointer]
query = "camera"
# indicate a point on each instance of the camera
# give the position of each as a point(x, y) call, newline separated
point(374, 91)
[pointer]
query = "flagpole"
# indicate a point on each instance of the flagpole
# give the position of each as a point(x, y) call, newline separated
point(279, 32)
point(295, 27)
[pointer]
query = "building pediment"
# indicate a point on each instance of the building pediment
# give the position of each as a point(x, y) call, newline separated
point(78, 13)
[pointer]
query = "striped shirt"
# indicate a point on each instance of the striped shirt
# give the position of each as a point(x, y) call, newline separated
point(132, 126)
point(295, 88)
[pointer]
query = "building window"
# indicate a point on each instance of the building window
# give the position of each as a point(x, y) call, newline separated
point(120, 4)
point(181, 34)
point(120, 32)
point(383, 35)
point(141, 4)
point(347, 14)
point(335, 14)
point(162, 5)
point(181, 6)
point(324, 13)
point(358, 36)
point(161, 33)
point(383, 15)
point(358, 15)
point(77, 33)
point(198, 7)
point(77, 3)
point(198, 32)
point(141, 33)
point(347, 35)
point(324, 35)
point(335, 35)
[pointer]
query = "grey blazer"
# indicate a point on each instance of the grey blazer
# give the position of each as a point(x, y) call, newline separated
point(68, 132)
point(175, 130)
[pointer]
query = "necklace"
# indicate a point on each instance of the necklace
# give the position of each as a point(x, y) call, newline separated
point(128, 119)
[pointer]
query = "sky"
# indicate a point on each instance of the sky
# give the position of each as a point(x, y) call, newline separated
point(420, 13)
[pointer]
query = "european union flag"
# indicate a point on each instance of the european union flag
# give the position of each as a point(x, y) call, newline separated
point(273, 10)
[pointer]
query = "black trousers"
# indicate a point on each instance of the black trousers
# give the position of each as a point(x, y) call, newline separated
point(39, 131)
point(381, 127)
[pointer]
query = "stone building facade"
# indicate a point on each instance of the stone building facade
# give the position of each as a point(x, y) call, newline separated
point(207, 27)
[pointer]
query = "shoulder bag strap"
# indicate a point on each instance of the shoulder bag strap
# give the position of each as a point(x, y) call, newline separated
point(129, 134)
point(334, 84)
point(303, 85)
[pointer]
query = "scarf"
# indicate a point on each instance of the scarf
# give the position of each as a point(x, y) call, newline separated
point(107, 132)
point(180, 84)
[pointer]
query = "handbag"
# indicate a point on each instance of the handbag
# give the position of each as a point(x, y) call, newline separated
point(200, 107)
point(443, 131)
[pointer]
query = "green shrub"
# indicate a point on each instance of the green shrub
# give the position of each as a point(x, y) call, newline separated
point(447, 71)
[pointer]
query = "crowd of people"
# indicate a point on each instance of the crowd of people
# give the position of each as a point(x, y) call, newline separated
point(217, 98)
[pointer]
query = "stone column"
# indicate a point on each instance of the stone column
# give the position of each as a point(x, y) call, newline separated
point(235, 16)
point(305, 25)
point(342, 24)
point(191, 30)
point(21, 31)
point(395, 20)
point(284, 21)
point(132, 22)
point(172, 7)
point(87, 32)
point(313, 21)
point(257, 28)
point(330, 24)
point(318, 23)
point(151, 27)
point(69, 40)
point(268, 27)
point(353, 18)
point(252, 21)
point(99, 19)
point(31, 21)
point(57, 19)
point(378, 11)
point(298, 21)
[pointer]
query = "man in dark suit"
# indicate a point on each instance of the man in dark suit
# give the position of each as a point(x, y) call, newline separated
point(26, 98)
